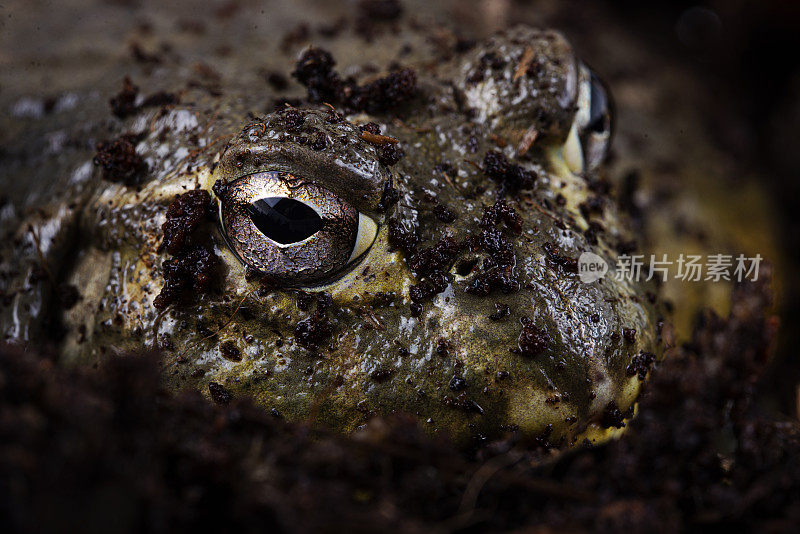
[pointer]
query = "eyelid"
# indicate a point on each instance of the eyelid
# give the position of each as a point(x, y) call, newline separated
point(359, 184)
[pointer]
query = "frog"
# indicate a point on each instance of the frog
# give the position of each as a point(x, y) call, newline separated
point(415, 243)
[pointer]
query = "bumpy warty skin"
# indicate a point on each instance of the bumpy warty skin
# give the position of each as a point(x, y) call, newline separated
point(467, 311)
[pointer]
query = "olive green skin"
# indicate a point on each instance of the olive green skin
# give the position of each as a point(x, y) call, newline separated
point(106, 242)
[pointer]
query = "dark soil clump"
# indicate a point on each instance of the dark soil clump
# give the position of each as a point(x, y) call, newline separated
point(560, 260)
point(184, 215)
point(315, 71)
point(497, 270)
point(640, 364)
point(189, 273)
point(391, 154)
point(123, 104)
point(119, 160)
point(230, 351)
point(194, 266)
point(532, 340)
point(219, 394)
point(431, 265)
point(99, 447)
point(510, 177)
point(312, 332)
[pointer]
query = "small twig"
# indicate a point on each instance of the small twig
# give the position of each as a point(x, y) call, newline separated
point(368, 315)
point(527, 141)
point(524, 63)
point(379, 140)
point(449, 180)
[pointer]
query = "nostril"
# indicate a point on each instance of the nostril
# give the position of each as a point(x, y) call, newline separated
point(465, 267)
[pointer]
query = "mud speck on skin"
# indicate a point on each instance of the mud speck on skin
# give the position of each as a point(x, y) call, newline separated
point(123, 104)
point(464, 403)
point(614, 417)
point(560, 260)
point(501, 311)
point(389, 197)
point(315, 71)
point(119, 160)
point(431, 265)
point(532, 340)
point(219, 394)
point(68, 296)
point(444, 214)
point(510, 177)
point(194, 268)
point(641, 364)
point(497, 270)
point(629, 334)
point(230, 351)
point(184, 215)
point(315, 330)
point(391, 154)
point(385, 94)
point(457, 383)
point(191, 272)
point(382, 375)
point(400, 238)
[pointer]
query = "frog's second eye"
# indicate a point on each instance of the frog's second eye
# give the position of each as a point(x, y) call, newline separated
point(291, 229)
point(590, 136)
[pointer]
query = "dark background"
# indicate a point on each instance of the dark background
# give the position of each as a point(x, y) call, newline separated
point(746, 52)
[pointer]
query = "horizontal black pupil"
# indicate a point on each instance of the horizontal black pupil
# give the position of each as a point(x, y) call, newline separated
point(284, 220)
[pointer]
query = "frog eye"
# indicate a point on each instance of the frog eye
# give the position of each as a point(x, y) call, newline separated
point(292, 230)
point(590, 136)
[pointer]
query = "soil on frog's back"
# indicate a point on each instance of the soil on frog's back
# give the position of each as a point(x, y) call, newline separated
point(72, 423)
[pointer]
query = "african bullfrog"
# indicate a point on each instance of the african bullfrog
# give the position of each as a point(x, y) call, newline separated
point(403, 242)
point(450, 187)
